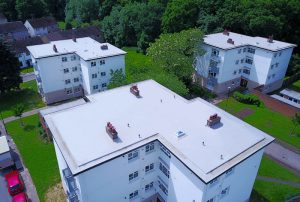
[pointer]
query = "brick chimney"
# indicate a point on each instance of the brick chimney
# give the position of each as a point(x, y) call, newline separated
point(54, 48)
point(226, 32)
point(270, 39)
point(230, 41)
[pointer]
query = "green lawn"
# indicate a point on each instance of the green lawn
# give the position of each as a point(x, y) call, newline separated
point(61, 25)
point(39, 157)
point(27, 95)
point(27, 70)
point(266, 120)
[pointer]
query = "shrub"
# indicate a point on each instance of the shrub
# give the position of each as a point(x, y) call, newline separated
point(201, 92)
point(247, 99)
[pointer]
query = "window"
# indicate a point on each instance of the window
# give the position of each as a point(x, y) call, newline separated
point(149, 186)
point(244, 50)
point(164, 169)
point(272, 66)
point(76, 79)
point(279, 54)
point(133, 155)
point(224, 192)
point(246, 71)
point(149, 147)
point(64, 59)
point(93, 64)
point(234, 72)
point(95, 87)
point(211, 200)
point(212, 74)
point(229, 172)
point(213, 63)
point(240, 50)
point(242, 60)
point(66, 70)
point(275, 55)
point(94, 76)
point(251, 50)
point(102, 62)
point(269, 77)
point(103, 73)
point(133, 194)
point(277, 64)
point(133, 175)
point(74, 69)
point(240, 71)
point(149, 167)
point(214, 52)
point(165, 150)
point(104, 85)
point(77, 89)
point(73, 57)
point(249, 61)
point(67, 81)
point(163, 187)
point(273, 75)
point(237, 62)
point(69, 91)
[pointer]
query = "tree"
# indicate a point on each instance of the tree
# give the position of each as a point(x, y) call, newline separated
point(9, 69)
point(294, 65)
point(81, 10)
point(296, 122)
point(176, 52)
point(30, 9)
point(180, 15)
point(56, 8)
point(18, 112)
point(117, 79)
point(7, 7)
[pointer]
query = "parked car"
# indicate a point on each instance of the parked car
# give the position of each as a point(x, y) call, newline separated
point(20, 197)
point(14, 182)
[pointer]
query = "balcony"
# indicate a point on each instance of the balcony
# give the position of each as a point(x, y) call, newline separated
point(216, 58)
point(214, 70)
point(212, 81)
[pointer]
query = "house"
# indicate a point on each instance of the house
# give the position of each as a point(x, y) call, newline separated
point(41, 26)
point(70, 68)
point(233, 60)
point(143, 142)
point(11, 31)
point(20, 49)
point(89, 31)
point(6, 159)
point(3, 19)
point(289, 97)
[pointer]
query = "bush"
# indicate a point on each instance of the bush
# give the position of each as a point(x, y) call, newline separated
point(201, 92)
point(247, 99)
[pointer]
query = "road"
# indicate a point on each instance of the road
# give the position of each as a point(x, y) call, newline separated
point(28, 77)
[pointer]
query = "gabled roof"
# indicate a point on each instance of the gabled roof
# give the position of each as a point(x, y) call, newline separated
point(42, 22)
point(20, 46)
point(10, 27)
point(90, 31)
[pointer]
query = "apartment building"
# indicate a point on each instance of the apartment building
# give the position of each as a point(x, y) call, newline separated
point(70, 68)
point(232, 60)
point(144, 142)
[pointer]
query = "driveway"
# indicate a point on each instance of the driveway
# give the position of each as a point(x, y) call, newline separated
point(4, 195)
point(28, 76)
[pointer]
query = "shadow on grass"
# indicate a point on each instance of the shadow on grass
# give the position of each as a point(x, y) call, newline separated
point(257, 197)
point(294, 87)
point(28, 128)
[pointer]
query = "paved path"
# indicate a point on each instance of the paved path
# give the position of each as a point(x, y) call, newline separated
point(284, 156)
point(28, 77)
point(25, 114)
point(270, 179)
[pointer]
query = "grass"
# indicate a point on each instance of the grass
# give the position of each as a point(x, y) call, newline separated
point(61, 25)
point(26, 70)
point(39, 157)
point(295, 86)
point(27, 95)
point(266, 120)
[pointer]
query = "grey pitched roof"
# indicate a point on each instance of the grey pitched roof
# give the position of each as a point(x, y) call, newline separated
point(10, 27)
point(42, 22)
point(19, 46)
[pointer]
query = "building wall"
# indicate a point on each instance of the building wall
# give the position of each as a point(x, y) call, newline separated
point(25, 60)
point(5, 160)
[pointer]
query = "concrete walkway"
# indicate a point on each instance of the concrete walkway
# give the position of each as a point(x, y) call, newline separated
point(284, 156)
point(25, 114)
point(28, 77)
point(275, 180)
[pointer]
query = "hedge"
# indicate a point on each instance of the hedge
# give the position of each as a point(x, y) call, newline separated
point(247, 98)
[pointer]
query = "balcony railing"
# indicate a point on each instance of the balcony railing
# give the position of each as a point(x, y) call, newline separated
point(215, 58)
point(214, 70)
point(212, 81)
point(71, 184)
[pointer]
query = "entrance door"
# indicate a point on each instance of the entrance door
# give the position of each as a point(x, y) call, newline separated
point(243, 83)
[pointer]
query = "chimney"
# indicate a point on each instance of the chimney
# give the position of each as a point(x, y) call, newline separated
point(54, 48)
point(111, 130)
point(104, 47)
point(74, 38)
point(230, 41)
point(213, 120)
point(226, 32)
point(135, 91)
point(270, 39)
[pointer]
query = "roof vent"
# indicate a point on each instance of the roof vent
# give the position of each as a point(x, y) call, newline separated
point(135, 91)
point(213, 120)
point(226, 32)
point(74, 39)
point(110, 129)
point(54, 48)
point(104, 47)
point(180, 134)
point(270, 39)
point(230, 41)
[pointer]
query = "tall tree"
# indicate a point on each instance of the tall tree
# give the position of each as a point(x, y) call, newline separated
point(56, 8)
point(180, 15)
point(30, 9)
point(7, 7)
point(9, 69)
point(117, 79)
point(294, 65)
point(18, 112)
point(296, 122)
point(176, 52)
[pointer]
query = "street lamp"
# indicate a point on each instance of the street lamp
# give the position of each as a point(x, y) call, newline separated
point(228, 93)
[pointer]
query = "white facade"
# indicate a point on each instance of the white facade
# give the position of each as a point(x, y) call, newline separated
point(148, 160)
point(247, 61)
point(77, 67)
point(5, 155)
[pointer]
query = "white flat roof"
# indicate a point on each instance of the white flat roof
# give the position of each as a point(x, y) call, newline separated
point(220, 40)
point(86, 48)
point(3, 145)
point(81, 136)
point(291, 93)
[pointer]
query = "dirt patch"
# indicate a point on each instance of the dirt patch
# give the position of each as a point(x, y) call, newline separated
point(244, 113)
point(55, 194)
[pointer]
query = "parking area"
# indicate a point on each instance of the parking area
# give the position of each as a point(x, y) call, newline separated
point(4, 195)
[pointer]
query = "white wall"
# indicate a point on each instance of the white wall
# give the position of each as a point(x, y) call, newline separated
point(35, 32)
